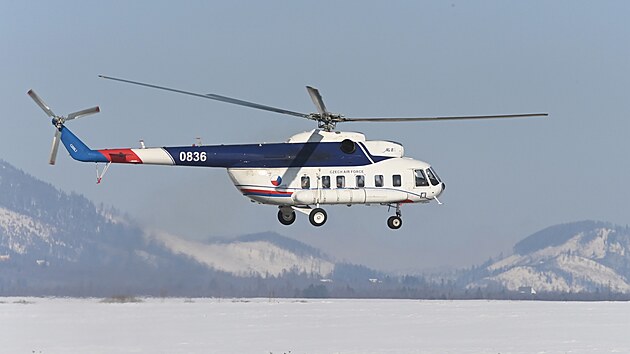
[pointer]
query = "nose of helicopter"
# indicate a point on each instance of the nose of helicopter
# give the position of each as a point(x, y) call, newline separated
point(441, 187)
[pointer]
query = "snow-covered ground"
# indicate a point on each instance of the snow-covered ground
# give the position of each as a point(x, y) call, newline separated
point(42, 325)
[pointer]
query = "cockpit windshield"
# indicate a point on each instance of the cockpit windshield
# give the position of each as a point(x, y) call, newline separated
point(433, 177)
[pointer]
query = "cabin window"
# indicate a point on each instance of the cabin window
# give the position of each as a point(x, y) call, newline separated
point(326, 182)
point(360, 181)
point(306, 182)
point(378, 181)
point(341, 181)
point(396, 180)
point(421, 179)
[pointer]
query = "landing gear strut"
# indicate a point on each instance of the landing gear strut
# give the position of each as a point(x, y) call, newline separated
point(395, 222)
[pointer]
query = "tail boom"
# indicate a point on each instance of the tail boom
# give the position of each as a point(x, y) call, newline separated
point(80, 152)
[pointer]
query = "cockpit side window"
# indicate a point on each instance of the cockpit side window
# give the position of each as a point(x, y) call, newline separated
point(421, 179)
point(434, 180)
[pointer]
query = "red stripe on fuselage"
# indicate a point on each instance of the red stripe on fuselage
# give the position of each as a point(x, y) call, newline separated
point(120, 155)
point(269, 192)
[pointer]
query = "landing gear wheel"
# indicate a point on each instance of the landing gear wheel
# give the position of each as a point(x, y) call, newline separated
point(286, 219)
point(394, 222)
point(317, 217)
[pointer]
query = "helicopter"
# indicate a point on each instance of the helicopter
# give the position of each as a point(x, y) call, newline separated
point(311, 169)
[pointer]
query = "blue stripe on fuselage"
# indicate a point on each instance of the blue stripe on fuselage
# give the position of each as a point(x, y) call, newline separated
point(278, 155)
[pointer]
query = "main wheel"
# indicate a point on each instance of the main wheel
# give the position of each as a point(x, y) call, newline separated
point(286, 219)
point(317, 217)
point(394, 222)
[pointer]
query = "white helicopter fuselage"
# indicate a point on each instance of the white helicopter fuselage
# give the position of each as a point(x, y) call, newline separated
point(393, 179)
point(385, 182)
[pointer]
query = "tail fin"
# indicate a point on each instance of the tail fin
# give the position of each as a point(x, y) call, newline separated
point(77, 149)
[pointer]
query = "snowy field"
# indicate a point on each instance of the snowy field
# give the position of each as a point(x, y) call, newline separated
point(42, 325)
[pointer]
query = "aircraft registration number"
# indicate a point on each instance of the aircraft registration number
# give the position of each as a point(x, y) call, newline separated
point(193, 156)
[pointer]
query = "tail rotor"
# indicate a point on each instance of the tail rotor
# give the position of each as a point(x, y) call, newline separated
point(58, 122)
point(55, 147)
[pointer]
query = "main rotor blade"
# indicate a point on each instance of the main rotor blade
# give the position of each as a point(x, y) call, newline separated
point(41, 103)
point(215, 97)
point(418, 119)
point(55, 147)
point(317, 100)
point(83, 113)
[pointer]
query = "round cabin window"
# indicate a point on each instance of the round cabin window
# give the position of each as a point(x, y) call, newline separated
point(348, 146)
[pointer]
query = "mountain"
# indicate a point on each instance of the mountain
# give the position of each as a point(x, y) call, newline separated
point(55, 243)
point(264, 254)
point(587, 256)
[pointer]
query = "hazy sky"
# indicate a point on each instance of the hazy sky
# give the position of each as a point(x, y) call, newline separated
point(505, 179)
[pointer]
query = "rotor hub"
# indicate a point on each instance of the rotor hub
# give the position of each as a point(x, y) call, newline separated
point(326, 121)
point(58, 121)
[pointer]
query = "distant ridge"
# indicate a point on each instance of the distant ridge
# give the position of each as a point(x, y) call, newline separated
point(287, 243)
point(262, 254)
point(557, 235)
point(584, 256)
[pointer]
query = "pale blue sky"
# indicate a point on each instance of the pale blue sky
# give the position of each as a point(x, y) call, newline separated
point(506, 179)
